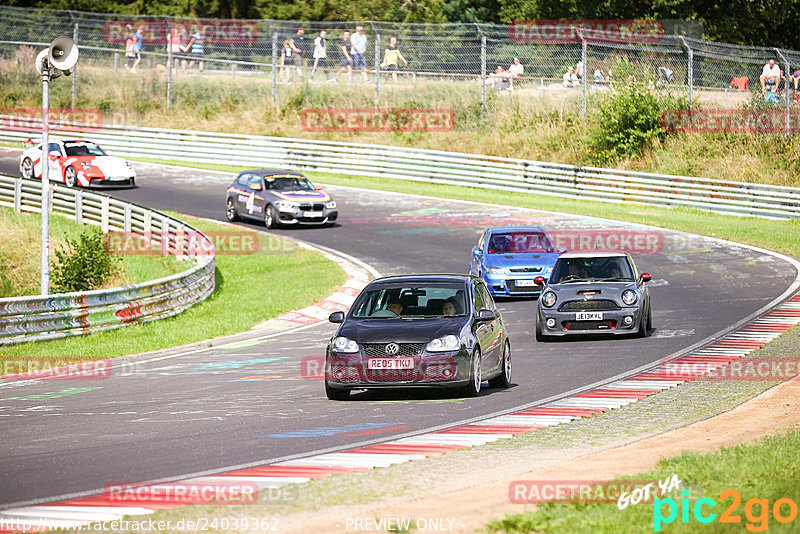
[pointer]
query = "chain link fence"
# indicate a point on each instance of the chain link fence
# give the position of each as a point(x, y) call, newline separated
point(473, 69)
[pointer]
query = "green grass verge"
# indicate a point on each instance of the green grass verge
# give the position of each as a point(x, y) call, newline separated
point(766, 469)
point(250, 288)
point(781, 236)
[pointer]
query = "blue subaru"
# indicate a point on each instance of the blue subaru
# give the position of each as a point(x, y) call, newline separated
point(508, 259)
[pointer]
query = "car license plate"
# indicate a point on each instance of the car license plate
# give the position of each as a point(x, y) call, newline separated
point(589, 316)
point(524, 283)
point(312, 214)
point(390, 363)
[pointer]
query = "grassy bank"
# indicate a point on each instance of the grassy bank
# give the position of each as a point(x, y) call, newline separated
point(528, 123)
point(765, 470)
point(250, 288)
point(20, 255)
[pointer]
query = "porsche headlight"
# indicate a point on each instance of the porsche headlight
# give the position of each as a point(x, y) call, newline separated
point(284, 205)
point(443, 344)
point(128, 164)
point(549, 299)
point(494, 270)
point(629, 296)
point(346, 345)
point(86, 166)
point(331, 205)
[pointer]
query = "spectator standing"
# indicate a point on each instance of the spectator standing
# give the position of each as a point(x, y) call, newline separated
point(579, 71)
point(515, 71)
point(358, 51)
point(770, 76)
point(298, 44)
point(285, 59)
point(795, 80)
point(321, 55)
point(176, 45)
point(347, 59)
point(195, 48)
point(390, 58)
point(130, 50)
point(138, 40)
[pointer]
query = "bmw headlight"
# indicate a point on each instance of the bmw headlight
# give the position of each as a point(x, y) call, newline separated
point(284, 205)
point(629, 296)
point(343, 344)
point(443, 344)
point(494, 270)
point(549, 299)
point(331, 205)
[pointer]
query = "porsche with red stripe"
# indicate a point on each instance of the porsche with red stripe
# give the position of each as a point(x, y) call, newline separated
point(76, 162)
point(279, 198)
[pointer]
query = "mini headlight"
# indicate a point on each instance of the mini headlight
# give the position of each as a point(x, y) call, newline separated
point(284, 205)
point(629, 296)
point(331, 205)
point(442, 344)
point(549, 299)
point(495, 270)
point(343, 344)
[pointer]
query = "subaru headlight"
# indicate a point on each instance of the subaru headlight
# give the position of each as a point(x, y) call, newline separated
point(443, 344)
point(629, 296)
point(549, 299)
point(346, 345)
point(331, 205)
point(284, 205)
point(495, 270)
point(86, 166)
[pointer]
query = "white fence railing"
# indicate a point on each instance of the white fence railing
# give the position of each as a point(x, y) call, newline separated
point(48, 317)
point(489, 172)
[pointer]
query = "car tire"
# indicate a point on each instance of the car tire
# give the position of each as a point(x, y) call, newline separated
point(27, 169)
point(473, 389)
point(70, 176)
point(643, 329)
point(230, 211)
point(336, 394)
point(649, 319)
point(271, 217)
point(540, 337)
point(503, 380)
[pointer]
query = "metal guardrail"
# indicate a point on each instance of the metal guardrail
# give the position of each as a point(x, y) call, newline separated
point(454, 168)
point(30, 318)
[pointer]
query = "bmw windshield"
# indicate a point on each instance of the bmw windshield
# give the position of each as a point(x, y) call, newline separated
point(288, 183)
point(411, 301)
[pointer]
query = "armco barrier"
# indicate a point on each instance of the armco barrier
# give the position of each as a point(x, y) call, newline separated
point(569, 181)
point(68, 314)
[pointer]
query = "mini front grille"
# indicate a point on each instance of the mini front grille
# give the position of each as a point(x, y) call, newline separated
point(588, 305)
point(525, 269)
point(589, 325)
point(378, 350)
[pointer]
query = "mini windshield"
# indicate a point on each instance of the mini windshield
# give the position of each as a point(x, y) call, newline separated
point(83, 149)
point(613, 269)
point(412, 301)
point(288, 183)
point(519, 243)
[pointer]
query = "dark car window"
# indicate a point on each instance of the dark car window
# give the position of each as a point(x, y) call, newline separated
point(417, 300)
point(243, 179)
point(482, 241)
point(254, 179)
point(480, 298)
point(83, 149)
point(616, 268)
point(485, 297)
point(288, 183)
point(54, 147)
point(520, 243)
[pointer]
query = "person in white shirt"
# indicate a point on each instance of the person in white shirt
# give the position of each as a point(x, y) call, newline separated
point(515, 71)
point(321, 55)
point(570, 78)
point(358, 50)
point(770, 76)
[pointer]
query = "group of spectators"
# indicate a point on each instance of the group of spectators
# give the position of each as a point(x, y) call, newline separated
point(503, 79)
point(184, 48)
point(352, 49)
point(774, 82)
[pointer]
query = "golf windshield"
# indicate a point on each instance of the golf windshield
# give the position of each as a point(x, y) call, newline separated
point(391, 301)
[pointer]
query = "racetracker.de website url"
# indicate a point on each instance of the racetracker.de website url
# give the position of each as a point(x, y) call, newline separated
point(199, 524)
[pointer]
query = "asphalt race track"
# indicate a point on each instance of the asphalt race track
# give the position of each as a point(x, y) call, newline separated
point(214, 409)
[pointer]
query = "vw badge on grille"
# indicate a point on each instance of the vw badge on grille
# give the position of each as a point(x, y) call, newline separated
point(392, 349)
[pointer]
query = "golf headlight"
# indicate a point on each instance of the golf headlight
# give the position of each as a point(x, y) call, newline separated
point(548, 299)
point(443, 344)
point(331, 205)
point(284, 205)
point(629, 296)
point(343, 344)
point(495, 270)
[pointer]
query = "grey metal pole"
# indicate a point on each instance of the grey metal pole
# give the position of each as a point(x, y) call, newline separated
point(377, 69)
point(169, 65)
point(483, 73)
point(116, 62)
point(274, 66)
point(584, 55)
point(45, 162)
point(786, 102)
point(690, 71)
point(75, 72)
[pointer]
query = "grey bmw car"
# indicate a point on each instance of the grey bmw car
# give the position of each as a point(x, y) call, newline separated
point(441, 331)
point(594, 293)
point(278, 198)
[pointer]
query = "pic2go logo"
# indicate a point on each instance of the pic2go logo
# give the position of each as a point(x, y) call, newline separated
point(755, 510)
